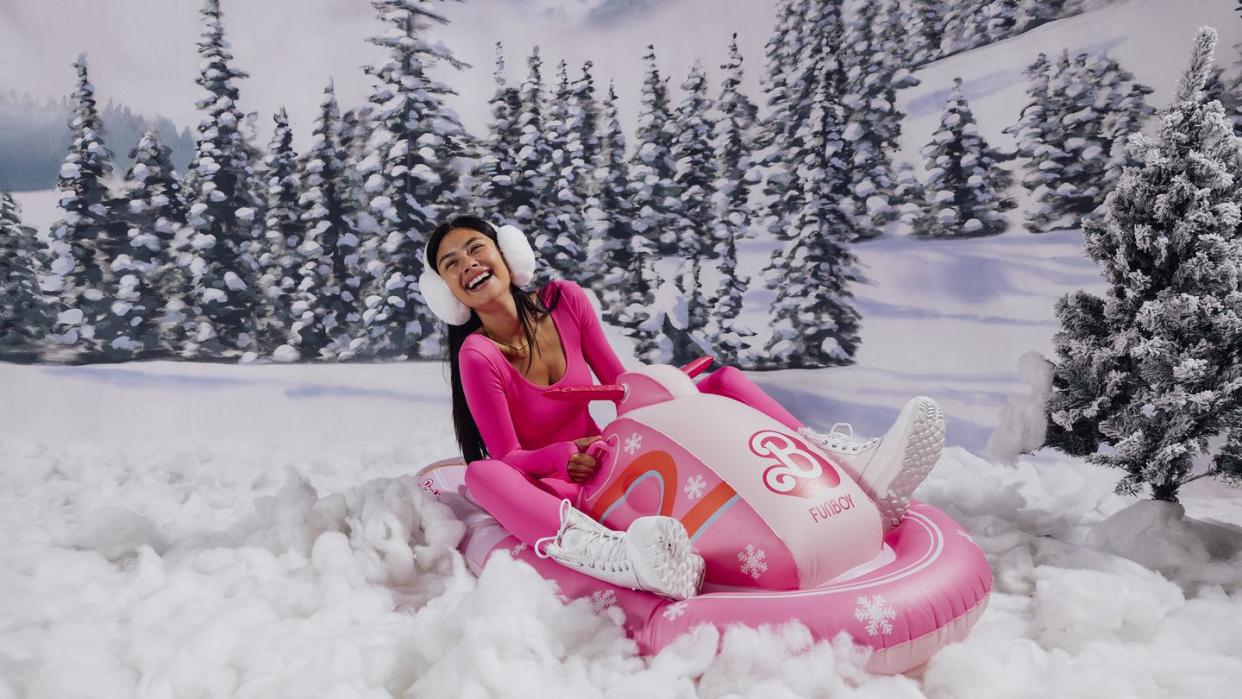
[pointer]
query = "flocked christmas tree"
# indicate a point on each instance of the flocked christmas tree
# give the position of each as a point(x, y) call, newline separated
point(966, 188)
point(25, 317)
point(417, 150)
point(77, 259)
point(221, 214)
point(1152, 370)
point(496, 172)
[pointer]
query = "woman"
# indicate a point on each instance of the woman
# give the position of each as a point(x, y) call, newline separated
point(507, 346)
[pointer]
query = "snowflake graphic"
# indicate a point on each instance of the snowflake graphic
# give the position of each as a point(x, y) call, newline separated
point(603, 599)
point(674, 610)
point(517, 550)
point(876, 613)
point(752, 560)
point(633, 443)
point(429, 487)
point(966, 535)
point(695, 487)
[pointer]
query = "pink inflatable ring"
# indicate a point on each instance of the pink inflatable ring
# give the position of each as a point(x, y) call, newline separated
point(785, 534)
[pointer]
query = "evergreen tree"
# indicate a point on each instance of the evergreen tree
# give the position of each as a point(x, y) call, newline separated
point(911, 194)
point(656, 195)
point(221, 211)
point(1126, 111)
point(146, 271)
point(418, 147)
point(873, 76)
point(723, 334)
point(1152, 370)
point(281, 262)
point(325, 301)
point(25, 317)
point(695, 170)
point(610, 220)
point(77, 258)
point(586, 124)
point(781, 53)
point(965, 194)
point(532, 147)
point(1032, 13)
point(734, 141)
point(637, 318)
point(813, 322)
point(924, 23)
point(496, 173)
point(559, 229)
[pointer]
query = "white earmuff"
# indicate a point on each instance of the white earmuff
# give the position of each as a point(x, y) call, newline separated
point(519, 256)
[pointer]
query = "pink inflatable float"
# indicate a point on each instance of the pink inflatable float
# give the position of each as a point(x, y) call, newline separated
point(785, 534)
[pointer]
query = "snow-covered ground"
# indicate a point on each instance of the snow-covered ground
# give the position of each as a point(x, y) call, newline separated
point(185, 530)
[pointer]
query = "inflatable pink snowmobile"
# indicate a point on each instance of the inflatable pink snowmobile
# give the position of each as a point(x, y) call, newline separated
point(785, 533)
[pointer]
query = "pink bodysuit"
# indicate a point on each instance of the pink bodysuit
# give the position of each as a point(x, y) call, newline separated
point(530, 437)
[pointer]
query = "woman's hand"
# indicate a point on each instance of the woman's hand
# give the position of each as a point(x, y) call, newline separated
point(582, 466)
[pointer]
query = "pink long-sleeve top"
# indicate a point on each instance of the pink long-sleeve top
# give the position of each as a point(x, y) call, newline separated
point(521, 426)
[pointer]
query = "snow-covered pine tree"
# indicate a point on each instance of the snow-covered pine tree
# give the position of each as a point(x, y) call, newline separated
point(585, 120)
point(658, 211)
point(873, 76)
point(1152, 369)
point(1125, 113)
point(962, 21)
point(816, 89)
point(965, 195)
point(911, 194)
point(723, 334)
point(417, 149)
point(1032, 13)
point(532, 151)
point(1001, 19)
point(496, 171)
point(813, 323)
point(221, 213)
point(25, 317)
point(637, 318)
point(325, 301)
point(610, 220)
point(559, 231)
point(734, 142)
point(78, 256)
point(281, 261)
point(147, 269)
point(694, 160)
point(781, 52)
point(1030, 131)
point(924, 22)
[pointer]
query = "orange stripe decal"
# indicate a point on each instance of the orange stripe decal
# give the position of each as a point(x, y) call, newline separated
point(705, 508)
point(660, 462)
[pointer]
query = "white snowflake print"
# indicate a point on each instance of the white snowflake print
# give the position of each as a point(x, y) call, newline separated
point(603, 599)
point(695, 487)
point(517, 550)
point(674, 610)
point(876, 613)
point(633, 443)
point(752, 561)
point(966, 535)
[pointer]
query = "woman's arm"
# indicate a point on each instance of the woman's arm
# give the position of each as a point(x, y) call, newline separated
point(600, 355)
point(485, 395)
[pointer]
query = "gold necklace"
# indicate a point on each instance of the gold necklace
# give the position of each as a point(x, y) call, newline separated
point(519, 351)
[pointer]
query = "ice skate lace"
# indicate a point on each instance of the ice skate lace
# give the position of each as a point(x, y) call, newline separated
point(839, 440)
point(602, 549)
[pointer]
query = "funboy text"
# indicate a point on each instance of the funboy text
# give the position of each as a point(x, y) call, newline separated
point(831, 508)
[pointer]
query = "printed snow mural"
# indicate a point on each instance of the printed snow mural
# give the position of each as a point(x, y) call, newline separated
point(1025, 209)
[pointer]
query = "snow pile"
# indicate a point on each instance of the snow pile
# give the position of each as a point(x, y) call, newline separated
point(1024, 422)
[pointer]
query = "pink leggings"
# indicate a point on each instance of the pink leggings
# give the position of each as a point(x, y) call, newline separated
point(529, 507)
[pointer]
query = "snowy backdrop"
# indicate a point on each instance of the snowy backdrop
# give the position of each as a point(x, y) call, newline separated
point(207, 287)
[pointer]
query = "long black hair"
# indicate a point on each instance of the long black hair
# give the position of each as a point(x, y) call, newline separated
point(528, 310)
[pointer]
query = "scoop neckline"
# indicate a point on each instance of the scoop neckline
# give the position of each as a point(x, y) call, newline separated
point(560, 338)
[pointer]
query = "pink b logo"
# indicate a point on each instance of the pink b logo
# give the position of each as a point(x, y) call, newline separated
point(798, 470)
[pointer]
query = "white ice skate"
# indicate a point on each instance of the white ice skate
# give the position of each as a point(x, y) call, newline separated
point(653, 554)
point(889, 468)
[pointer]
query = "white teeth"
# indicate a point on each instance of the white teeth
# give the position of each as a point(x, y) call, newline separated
point(478, 281)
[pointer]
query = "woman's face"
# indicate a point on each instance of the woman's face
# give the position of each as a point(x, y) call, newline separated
point(471, 265)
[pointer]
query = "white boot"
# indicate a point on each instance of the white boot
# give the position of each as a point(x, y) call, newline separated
point(653, 554)
point(889, 468)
